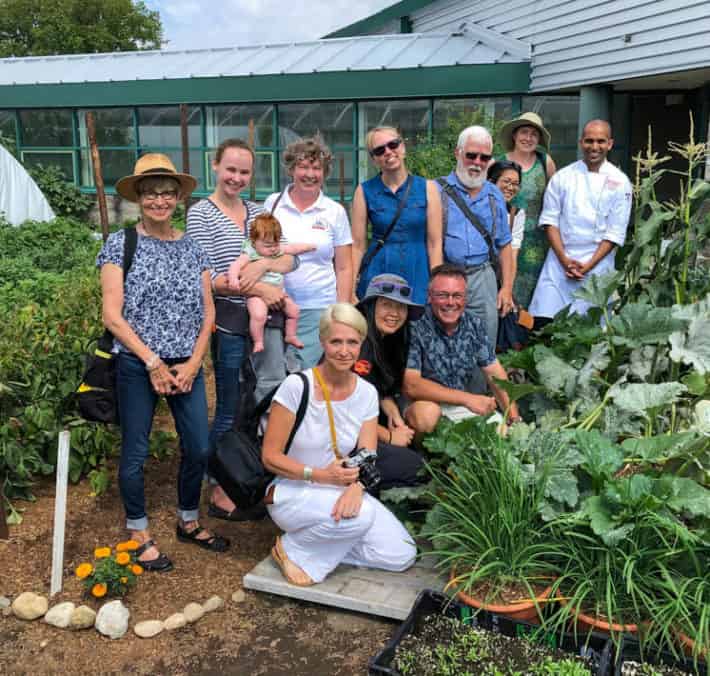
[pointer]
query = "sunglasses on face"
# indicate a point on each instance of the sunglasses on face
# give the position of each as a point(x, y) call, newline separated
point(389, 287)
point(379, 151)
point(474, 156)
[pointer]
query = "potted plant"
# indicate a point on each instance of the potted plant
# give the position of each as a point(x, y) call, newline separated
point(486, 529)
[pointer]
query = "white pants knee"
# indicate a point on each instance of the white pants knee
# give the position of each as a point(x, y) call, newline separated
point(315, 542)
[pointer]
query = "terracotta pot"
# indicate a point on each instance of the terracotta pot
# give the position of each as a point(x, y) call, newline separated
point(688, 644)
point(525, 610)
point(590, 622)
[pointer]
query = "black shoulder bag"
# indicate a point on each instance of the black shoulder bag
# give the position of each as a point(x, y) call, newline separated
point(96, 395)
point(236, 460)
point(367, 259)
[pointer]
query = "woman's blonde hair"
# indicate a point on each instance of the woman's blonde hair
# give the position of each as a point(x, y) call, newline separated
point(343, 313)
point(371, 134)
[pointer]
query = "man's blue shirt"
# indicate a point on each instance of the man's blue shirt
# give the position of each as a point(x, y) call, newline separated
point(463, 244)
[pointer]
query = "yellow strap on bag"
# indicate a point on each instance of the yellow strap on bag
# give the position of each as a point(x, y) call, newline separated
point(331, 420)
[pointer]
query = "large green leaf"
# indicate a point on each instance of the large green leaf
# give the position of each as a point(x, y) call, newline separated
point(596, 363)
point(686, 495)
point(687, 312)
point(648, 230)
point(597, 289)
point(642, 324)
point(659, 448)
point(639, 397)
point(516, 391)
point(697, 383)
point(693, 347)
point(601, 456)
point(602, 521)
point(555, 374)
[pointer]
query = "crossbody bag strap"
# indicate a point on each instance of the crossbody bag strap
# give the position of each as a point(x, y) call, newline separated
point(278, 199)
point(331, 419)
point(381, 242)
point(300, 413)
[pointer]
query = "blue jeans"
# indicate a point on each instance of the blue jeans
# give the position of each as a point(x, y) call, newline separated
point(228, 352)
point(309, 355)
point(137, 401)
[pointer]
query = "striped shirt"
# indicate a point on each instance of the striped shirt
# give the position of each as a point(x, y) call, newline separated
point(219, 236)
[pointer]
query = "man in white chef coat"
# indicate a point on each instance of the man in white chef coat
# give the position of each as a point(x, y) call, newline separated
point(585, 214)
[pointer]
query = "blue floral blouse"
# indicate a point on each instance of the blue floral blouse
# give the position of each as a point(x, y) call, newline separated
point(162, 298)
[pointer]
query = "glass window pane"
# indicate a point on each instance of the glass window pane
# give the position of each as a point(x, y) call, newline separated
point(62, 159)
point(160, 126)
point(7, 124)
point(334, 122)
point(114, 165)
point(559, 115)
point(114, 127)
point(264, 171)
point(225, 122)
point(197, 163)
point(46, 127)
point(471, 111)
point(411, 117)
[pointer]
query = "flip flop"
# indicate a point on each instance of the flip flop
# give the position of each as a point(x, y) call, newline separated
point(160, 564)
point(293, 573)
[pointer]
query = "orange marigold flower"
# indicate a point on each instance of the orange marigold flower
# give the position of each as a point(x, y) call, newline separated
point(124, 580)
point(84, 570)
point(136, 569)
point(127, 546)
point(123, 558)
point(99, 590)
point(102, 552)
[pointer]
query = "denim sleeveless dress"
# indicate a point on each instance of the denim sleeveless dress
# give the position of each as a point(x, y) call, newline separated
point(404, 252)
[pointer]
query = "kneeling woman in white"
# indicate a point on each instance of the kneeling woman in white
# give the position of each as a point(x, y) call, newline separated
point(323, 509)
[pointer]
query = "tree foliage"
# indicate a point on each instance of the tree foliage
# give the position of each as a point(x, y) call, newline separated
point(42, 27)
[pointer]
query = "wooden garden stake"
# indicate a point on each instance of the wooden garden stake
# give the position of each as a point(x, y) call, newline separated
point(60, 512)
point(184, 139)
point(4, 531)
point(98, 176)
point(251, 139)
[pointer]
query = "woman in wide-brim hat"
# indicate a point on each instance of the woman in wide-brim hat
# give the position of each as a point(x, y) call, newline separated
point(527, 143)
point(389, 306)
point(160, 314)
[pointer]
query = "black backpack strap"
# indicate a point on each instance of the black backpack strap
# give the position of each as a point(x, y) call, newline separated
point(451, 191)
point(301, 412)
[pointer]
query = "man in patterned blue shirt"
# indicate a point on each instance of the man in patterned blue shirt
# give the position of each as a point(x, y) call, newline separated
point(448, 345)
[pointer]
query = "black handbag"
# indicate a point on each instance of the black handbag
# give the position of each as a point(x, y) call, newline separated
point(236, 460)
point(96, 395)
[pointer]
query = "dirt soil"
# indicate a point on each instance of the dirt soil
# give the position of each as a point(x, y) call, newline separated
point(265, 635)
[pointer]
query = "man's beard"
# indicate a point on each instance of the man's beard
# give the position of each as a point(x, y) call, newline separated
point(467, 179)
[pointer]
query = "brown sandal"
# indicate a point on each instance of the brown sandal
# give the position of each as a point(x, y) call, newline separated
point(293, 573)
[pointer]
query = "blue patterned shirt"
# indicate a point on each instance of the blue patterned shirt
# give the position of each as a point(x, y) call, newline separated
point(162, 299)
point(449, 360)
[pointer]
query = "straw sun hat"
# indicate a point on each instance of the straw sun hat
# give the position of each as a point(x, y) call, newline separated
point(148, 166)
point(525, 120)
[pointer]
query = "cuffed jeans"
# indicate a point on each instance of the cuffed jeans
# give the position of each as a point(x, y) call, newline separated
point(137, 401)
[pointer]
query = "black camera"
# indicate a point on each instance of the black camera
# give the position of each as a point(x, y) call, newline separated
point(364, 459)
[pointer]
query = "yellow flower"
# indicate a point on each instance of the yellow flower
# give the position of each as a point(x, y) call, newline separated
point(102, 552)
point(99, 590)
point(136, 569)
point(84, 570)
point(127, 546)
point(123, 558)
point(124, 580)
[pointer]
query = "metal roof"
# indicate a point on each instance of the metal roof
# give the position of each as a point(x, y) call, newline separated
point(362, 53)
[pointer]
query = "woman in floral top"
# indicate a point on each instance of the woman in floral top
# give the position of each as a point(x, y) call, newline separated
point(161, 316)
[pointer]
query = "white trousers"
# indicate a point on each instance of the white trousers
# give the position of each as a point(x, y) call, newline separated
point(315, 542)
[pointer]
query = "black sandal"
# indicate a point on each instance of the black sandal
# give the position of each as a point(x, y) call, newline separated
point(214, 543)
point(160, 564)
point(255, 513)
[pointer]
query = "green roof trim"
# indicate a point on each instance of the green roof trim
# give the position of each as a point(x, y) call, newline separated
point(374, 21)
point(439, 81)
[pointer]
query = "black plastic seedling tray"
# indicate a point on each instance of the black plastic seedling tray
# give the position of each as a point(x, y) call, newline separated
point(596, 647)
point(630, 650)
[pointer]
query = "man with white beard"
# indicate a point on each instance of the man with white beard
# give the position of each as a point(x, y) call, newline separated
point(477, 232)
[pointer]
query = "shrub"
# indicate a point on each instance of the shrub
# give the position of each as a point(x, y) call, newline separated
point(64, 197)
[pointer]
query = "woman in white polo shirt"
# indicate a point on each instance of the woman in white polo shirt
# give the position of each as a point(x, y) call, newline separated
point(306, 215)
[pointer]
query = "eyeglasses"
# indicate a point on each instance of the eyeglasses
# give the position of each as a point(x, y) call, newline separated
point(390, 287)
point(153, 195)
point(378, 151)
point(474, 156)
point(509, 183)
point(443, 296)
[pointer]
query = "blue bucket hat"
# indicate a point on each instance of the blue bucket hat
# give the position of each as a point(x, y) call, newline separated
point(395, 288)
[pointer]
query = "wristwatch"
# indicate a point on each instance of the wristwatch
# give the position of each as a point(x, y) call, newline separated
point(307, 473)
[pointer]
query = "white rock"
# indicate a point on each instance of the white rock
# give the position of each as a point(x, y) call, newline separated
point(29, 606)
point(148, 628)
point(175, 621)
point(4, 602)
point(213, 603)
point(193, 612)
point(60, 615)
point(83, 617)
point(239, 596)
point(112, 619)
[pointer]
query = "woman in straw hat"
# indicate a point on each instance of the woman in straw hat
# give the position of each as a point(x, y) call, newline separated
point(161, 316)
point(527, 142)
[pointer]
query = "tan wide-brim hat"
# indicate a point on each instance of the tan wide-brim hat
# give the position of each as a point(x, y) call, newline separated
point(148, 166)
point(525, 120)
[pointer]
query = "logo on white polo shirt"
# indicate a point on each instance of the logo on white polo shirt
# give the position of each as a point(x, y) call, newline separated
point(320, 225)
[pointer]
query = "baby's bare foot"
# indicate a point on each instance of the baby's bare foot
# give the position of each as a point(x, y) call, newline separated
point(258, 347)
point(293, 340)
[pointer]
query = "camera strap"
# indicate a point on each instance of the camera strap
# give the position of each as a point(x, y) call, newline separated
point(331, 420)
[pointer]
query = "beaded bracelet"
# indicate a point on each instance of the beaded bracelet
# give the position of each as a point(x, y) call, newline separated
point(153, 363)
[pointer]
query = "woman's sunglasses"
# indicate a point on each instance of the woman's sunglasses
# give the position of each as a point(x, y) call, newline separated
point(389, 287)
point(379, 151)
